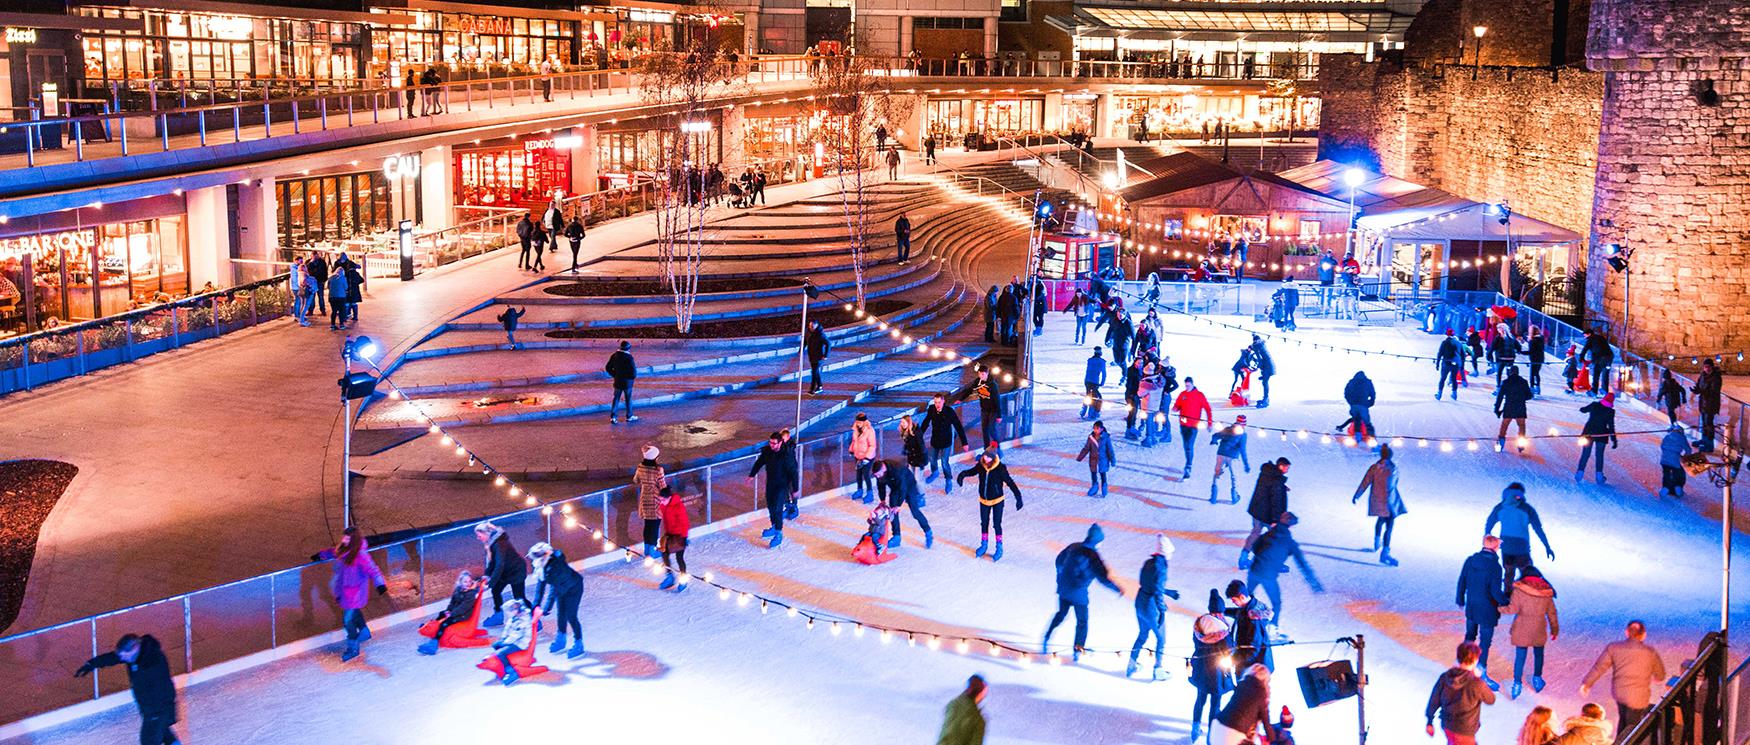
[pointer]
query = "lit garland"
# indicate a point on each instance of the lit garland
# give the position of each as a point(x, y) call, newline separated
point(1158, 249)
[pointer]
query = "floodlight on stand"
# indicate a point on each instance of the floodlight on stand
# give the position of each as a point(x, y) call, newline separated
point(1617, 256)
point(361, 349)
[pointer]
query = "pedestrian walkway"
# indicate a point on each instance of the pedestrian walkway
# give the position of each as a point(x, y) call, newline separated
point(1621, 553)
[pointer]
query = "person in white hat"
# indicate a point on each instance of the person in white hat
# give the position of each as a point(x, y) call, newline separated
point(650, 480)
point(1151, 604)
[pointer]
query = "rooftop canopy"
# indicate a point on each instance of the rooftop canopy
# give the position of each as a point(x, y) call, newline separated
point(1330, 20)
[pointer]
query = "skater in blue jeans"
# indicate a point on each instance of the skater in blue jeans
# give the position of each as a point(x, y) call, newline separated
point(942, 426)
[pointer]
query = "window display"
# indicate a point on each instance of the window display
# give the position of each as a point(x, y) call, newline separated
point(527, 174)
point(101, 270)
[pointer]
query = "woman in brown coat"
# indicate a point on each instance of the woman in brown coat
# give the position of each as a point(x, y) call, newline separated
point(1533, 606)
point(650, 480)
point(1383, 503)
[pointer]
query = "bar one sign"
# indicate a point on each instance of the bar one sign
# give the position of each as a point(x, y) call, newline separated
point(45, 243)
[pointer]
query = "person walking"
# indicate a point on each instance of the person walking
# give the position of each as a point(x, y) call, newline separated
point(947, 430)
point(553, 223)
point(862, 450)
point(1098, 452)
point(1518, 520)
point(650, 479)
point(676, 525)
point(780, 471)
point(1481, 595)
point(525, 235)
point(1450, 362)
point(963, 722)
point(898, 487)
point(1458, 698)
point(547, 80)
point(1511, 395)
point(1600, 426)
point(1230, 443)
point(337, 295)
point(509, 319)
point(1384, 504)
point(1266, 368)
point(1194, 412)
point(1707, 389)
point(893, 164)
point(302, 288)
point(1151, 605)
point(817, 348)
point(1078, 566)
point(902, 238)
point(1672, 448)
point(1276, 547)
point(623, 369)
point(1268, 503)
point(1359, 393)
point(559, 588)
point(1093, 376)
point(574, 234)
point(411, 85)
point(1212, 654)
point(993, 476)
point(538, 239)
point(1535, 350)
point(1247, 714)
point(148, 679)
point(1533, 607)
point(1634, 669)
point(354, 575)
point(504, 569)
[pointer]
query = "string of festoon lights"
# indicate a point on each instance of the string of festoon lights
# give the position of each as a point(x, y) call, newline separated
point(1199, 233)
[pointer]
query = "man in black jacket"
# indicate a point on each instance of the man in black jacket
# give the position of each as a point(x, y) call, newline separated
point(1078, 566)
point(1037, 295)
point(1480, 595)
point(317, 266)
point(902, 238)
point(990, 404)
point(1276, 547)
point(780, 474)
point(1360, 395)
point(898, 486)
point(1707, 401)
point(1450, 362)
point(942, 424)
point(149, 677)
point(1269, 501)
point(1510, 397)
point(1599, 353)
point(817, 348)
point(1008, 312)
point(623, 369)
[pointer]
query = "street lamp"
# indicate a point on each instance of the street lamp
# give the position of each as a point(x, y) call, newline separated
point(809, 292)
point(1353, 179)
point(353, 386)
point(1617, 257)
point(1478, 31)
point(1721, 469)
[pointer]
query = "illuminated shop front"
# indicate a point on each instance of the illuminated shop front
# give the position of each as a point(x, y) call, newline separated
point(635, 150)
point(955, 117)
point(325, 209)
point(185, 46)
point(75, 271)
point(1188, 113)
point(505, 41)
point(525, 173)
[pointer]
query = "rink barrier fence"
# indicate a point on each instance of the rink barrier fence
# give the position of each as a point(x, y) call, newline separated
point(218, 630)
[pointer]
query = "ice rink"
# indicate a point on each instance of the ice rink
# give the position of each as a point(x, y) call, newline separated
point(695, 668)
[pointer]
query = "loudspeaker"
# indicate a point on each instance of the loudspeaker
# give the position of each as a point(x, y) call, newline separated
point(1325, 682)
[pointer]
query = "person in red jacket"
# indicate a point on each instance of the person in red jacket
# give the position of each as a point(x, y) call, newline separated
point(675, 525)
point(1194, 411)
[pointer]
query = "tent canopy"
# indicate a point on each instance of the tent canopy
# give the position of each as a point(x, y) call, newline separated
point(1467, 222)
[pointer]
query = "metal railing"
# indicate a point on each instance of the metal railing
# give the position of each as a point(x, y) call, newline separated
point(1693, 710)
point(1086, 69)
point(41, 357)
point(229, 621)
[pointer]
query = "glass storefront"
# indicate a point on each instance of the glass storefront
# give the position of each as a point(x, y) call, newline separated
point(628, 153)
point(200, 47)
point(509, 44)
point(331, 208)
point(1194, 113)
point(525, 174)
point(92, 271)
point(769, 138)
point(954, 118)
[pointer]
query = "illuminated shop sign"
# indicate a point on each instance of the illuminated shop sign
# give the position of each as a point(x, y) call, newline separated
point(397, 166)
point(69, 240)
point(20, 35)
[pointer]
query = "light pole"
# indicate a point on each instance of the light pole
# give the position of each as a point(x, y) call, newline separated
point(1352, 178)
point(809, 292)
point(1617, 257)
point(1721, 469)
point(1477, 66)
point(352, 386)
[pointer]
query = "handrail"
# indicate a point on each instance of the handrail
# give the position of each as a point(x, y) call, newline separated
point(137, 313)
point(1087, 181)
point(1696, 700)
point(1113, 162)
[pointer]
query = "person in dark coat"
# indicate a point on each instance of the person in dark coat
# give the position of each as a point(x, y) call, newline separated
point(574, 233)
point(1600, 426)
point(1133, 395)
point(624, 370)
point(355, 288)
point(1510, 397)
point(1535, 350)
point(463, 596)
point(1078, 566)
point(149, 677)
point(1151, 604)
point(1671, 396)
point(504, 568)
point(1707, 389)
point(1008, 309)
point(902, 238)
point(1505, 351)
point(1248, 712)
point(559, 587)
point(1098, 452)
point(993, 476)
point(509, 319)
point(1212, 652)
point(897, 485)
point(990, 403)
point(1384, 504)
point(1266, 368)
point(1093, 376)
point(1599, 354)
point(1450, 362)
point(1118, 337)
point(525, 235)
point(817, 348)
point(1276, 547)
point(1458, 698)
point(1481, 595)
point(942, 424)
point(1360, 395)
point(990, 315)
point(1036, 293)
point(1250, 616)
point(1518, 520)
point(780, 470)
point(1269, 501)
point(317, 267)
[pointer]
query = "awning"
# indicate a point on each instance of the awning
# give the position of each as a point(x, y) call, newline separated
point(1468, 222)
point(1329, 20)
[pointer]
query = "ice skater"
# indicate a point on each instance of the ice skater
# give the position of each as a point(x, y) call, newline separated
point(1533, 607)
point(1511, 395)
point(148, 679)
point(354, 575)
point(993, 476)
point(1151, 605)
point(1672, 448)
point(1518, 520)
point(1384, 504)
point(650, 479)
point(1269, 502)
point(1458, 698)
point(1600, 426)
point(1481, 595)
point(559, 588)
point(676, 524)
point(1093, 377)
point(942, 424)
point(780, 471)
point(1250, 616)
point(504, 568)
point(1097, 451)
point(898, 487)
point(1194, 412)
point(1360, 395)
point(1230, 444)
point(1211, 663)
point(1078, 566)
point(862, 450)
point(1266, 368)
point(1275, 548)
point(1450, 362)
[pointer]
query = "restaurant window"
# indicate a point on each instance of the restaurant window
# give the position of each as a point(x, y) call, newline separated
point(100, 270)
point(216, 48)
point(527, 174)
point(333, 208)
